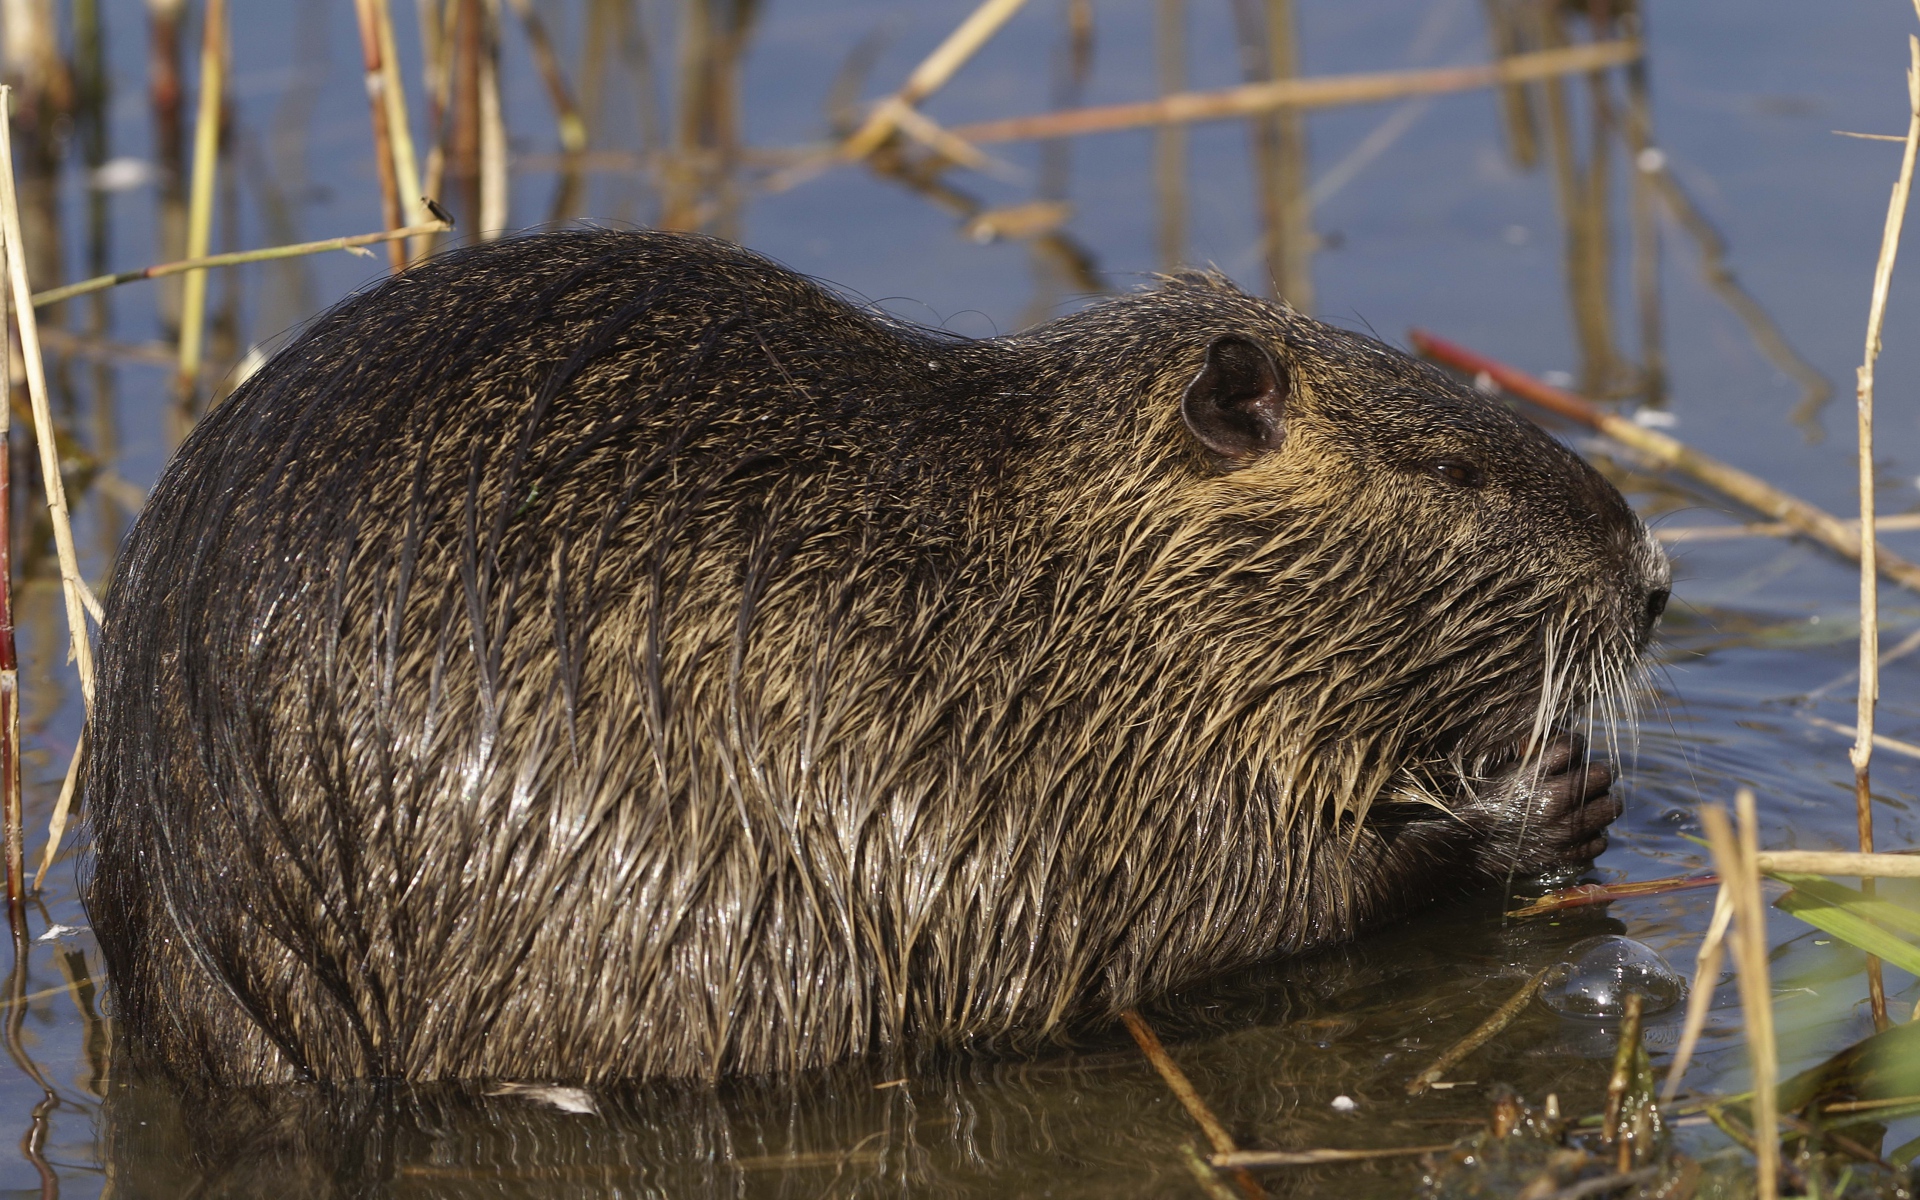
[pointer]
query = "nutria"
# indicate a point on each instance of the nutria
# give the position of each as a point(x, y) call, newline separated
point(604, 655)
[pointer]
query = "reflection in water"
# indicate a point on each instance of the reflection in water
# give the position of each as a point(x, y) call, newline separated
point(1273, 1047)
point(648, 105)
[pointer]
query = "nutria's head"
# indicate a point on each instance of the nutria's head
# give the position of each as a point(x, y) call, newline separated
point(1404, 584)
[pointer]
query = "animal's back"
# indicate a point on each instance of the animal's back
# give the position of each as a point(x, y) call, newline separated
point(477, 614)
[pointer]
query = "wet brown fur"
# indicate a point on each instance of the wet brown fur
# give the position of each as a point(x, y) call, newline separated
point(605, 655)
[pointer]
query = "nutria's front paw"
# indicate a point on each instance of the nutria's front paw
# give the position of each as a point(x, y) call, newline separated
point(1546, 818)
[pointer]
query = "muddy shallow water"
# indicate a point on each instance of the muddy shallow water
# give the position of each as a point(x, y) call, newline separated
point(1424, 220)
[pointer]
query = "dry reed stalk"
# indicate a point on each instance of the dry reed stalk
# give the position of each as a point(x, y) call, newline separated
point(1720, 279)
point(10, 798)
point(206, 156)
point(78, 599)
point(1170, 141)
point(1671, 454)
point(1738, 859)
point(406, 168)
point(1906, 749)
point(566, 114)
point(1183, 1090)
point(1290, 259)
point(1581, 195)
point(494, 183)
point(1481, 1035)
point(1868, 692)
point(438, 28)
point(1839, 862)
point(931, 75)
point(163, 99)
point(1706, 978)
point(1327, 91)
point(234, 258)
point(365, 12)
point(1278, 138)
point(1516, 106)
point(1645, 226)
point(1672, 534)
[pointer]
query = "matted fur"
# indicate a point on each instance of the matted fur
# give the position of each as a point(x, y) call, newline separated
point(604, 655)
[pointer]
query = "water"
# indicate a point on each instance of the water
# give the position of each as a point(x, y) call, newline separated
point(1424, 221)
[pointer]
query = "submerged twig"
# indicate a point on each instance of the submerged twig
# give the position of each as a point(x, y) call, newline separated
point(1622, 1075)
point(1309, 92)
point(1582, 895)
point(1482, 1034)
point(1750, 490)
point(1183, 1090)
point(160, 270)
point(1312, 1158)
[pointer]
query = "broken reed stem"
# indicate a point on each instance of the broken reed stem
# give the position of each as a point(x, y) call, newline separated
point(234, 258)
point(406, 167)
point(1672, 454)
point(1310, 92)
point(931, 75)
point(364, 12)
point(1738, 860)
point(1869, 689)
point(57, 824)
point(72, 588)
point(1481, 1035)
point(1183, 1090)
point(1706, 977)
point(206, 155)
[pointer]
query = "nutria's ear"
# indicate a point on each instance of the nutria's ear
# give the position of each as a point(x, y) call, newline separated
point(1236, 406)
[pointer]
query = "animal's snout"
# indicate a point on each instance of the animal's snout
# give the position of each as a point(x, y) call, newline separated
point(1651, 608)
point(1656, 587)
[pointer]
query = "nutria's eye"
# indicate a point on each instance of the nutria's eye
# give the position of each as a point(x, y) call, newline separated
point(1455, 471)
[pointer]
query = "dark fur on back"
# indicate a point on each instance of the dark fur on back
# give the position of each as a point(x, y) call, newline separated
point(604, 655)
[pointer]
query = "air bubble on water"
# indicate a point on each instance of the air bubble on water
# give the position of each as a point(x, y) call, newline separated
point(1597, 975)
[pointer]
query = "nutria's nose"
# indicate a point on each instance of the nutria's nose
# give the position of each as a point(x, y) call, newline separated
point(1655, 604)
